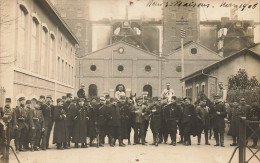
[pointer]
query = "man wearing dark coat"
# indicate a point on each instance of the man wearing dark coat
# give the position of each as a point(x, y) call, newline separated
point(172, 116)
point(188, 121)
point(80, 124)
point(163, 134)
point(21, 124)
point(100, 120)
point(130, 120)
point(203, 120)
point(139, 126)
point(218, 115)
point(234, 119)
point(27, 136)
point(124, 118)
point(60, 134)
point(155, 122)
point(180, 102)
point(48, 115)
point(91, 129)
point(37, 125)
point(70, 112)
point(114, 123)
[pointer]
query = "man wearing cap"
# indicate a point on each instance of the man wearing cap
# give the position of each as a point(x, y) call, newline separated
point(172, 116)
point(139, 126)
point(27, 136)
point(168, 92)
point(81, 92)
point(8, 111)
point(114, 123)
point(155, 125)
point(100, 120)
point(218, 115)
point(180, 102)
point(60, 134)
point(188, 121)
point(70, 112)
point(147, 116)
point(21, 125)
point(48, 115)
point(37, 125)
point(203, 120)
point(80, 124)
point(91, 131)
point(124, 118)
point(163, 135)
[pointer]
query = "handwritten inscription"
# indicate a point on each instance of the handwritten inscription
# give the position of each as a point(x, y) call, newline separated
point(240, 6)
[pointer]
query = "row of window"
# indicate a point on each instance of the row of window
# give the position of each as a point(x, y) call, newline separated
point(37, 53)
point(199, 89)
point(120, 68)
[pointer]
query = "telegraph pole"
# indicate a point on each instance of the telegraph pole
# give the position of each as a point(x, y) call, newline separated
point(182, 36)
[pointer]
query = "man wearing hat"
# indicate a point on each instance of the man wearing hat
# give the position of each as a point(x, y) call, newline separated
point(203, 120)
point(124, 113)
point(27, 136)
point(91, 131)
point(168, 92)
point(60, 134)
point(42, 99)
point(80, 124)
point(163, 134)
point(218, 115)
point(155, 125)
point(188, 121)
point(81, 92)
point(139, 126)
point(172, 116)
point(180, 102)
point(100, 120)
point(70, 111)
point(48, 115)
point(37, 125)
point(21, 124)
point(7, 111)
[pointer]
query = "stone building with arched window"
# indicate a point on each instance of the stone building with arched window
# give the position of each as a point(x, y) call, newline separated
point(139, 71)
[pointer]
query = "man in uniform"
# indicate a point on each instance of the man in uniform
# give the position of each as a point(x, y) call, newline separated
point(120, 92)
point(70, 112)
point(180, 126)
point(21, 126)
point(37, 125)
point(48, 115)
point(27, 136)
point(168, 92)
point(42, 99)
point(218, 115)
point(203, 119)
point(156, 116)
point(114, 123)
point(139, 126)
point(81, 92)
point(172, 116)
point(163, 135)
point(188, 121)
point(100, 120)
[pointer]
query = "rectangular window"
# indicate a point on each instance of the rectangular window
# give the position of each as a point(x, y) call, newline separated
point(203, 88)
point(20, 59)
point(33, 64)
point(44, 56)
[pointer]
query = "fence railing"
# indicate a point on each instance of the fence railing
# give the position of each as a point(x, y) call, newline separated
point(244, 129)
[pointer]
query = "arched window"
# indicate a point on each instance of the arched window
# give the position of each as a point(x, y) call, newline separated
point(148, 88)
point(92, 90)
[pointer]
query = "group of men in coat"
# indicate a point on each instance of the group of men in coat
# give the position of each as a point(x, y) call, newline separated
point(76, 119)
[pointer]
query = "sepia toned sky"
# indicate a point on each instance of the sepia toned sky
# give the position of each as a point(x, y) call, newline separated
point(115, 9)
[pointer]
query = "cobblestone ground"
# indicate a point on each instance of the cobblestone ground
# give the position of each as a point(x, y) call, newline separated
point(164, 153)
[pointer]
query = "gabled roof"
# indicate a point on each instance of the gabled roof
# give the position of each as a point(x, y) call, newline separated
point(188, 44)
point(121, 42)
point(253, 50)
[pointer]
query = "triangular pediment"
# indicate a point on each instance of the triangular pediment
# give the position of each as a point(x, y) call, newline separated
point(121, 50)
point(193, 51)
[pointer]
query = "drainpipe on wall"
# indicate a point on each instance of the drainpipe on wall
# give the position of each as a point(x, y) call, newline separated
point(211, 77)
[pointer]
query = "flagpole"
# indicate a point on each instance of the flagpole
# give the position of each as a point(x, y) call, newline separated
point(182, 34)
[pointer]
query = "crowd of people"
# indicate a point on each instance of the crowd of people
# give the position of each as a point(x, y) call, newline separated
point(76, 120)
